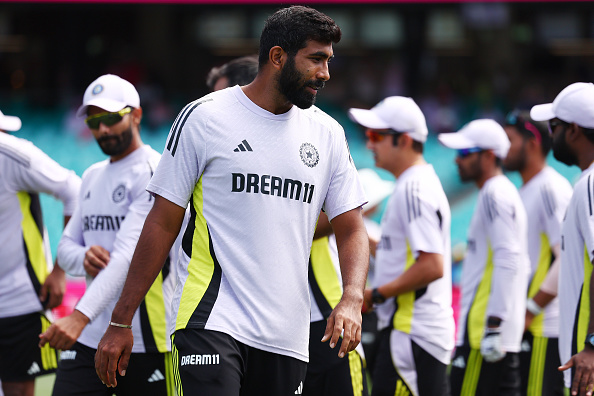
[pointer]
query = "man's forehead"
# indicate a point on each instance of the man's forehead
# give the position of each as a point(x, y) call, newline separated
point(313, 47)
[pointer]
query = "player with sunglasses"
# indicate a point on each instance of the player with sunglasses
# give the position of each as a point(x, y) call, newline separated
point(99, 242)
point(495, 271)
point(545, 194)
point(411, 288)
point(571, 122)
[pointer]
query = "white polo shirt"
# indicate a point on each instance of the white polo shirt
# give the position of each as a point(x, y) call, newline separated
point(496, 267)
point(255, 182)
point(577, 253)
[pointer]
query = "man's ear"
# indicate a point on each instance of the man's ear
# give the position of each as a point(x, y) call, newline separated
point(405, 140)
point(572, 132)
point(277, 57)
point(136, 115)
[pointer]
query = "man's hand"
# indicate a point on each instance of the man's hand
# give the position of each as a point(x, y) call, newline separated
point(491, 345)
point(96, 258)
point(346, 319)
point(583, 379)
point(53, 288)
point(113, 353)
point(65, 331)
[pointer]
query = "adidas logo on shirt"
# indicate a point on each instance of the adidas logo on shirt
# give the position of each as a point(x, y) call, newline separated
point(243, 146)
point(34, 369)
point(157, 376)
point(525, 346)
point(459, 362)
point(299, 390)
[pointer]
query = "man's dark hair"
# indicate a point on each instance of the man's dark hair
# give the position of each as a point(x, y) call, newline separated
point(239, 71)
point(416, 145)
point(529, 128)
point(290, 28)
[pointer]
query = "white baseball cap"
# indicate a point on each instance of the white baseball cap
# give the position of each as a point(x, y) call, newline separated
point(376, 189)
point(574, 104)
point(110, 93)
point(9, 123)
point(395, 112)
point(484, 133)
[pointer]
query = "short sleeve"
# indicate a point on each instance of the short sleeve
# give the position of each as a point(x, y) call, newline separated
point(183, 159)
point(345, 191)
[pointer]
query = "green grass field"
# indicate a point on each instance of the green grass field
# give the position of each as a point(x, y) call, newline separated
point(44, 385)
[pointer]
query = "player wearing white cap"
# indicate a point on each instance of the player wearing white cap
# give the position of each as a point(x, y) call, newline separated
point(412, 287)
point(545, 194)
point(99, 242)
point(571, 124)
point(495, 271)
point(256, 164)
point(27, 287)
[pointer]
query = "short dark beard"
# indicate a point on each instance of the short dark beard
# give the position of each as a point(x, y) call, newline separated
point(561, 150)
point(116, 145)
point(292, 85)
point(474, 171)
point(518, 163)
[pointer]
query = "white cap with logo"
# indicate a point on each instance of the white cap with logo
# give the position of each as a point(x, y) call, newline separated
point(395, 112)
point(484, 133)
point(575, 103)
point(110, 93)
point(9, 123)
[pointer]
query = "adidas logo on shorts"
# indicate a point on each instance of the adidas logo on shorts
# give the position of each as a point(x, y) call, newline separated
point(299, 390)
point(459, 362)
point(34, 369)
point(157, 376)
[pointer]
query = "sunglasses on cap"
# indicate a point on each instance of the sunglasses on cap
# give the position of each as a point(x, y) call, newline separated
point(463, 153)
point(107, 118)
point(516, 119)
point(554, 123)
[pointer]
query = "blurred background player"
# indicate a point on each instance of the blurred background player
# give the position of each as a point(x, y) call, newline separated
point(545, 194)
point(28, 290)
point(99, 242)
point(495, 270)
point(246, 252)
point(412, 287)
point(239, 71)
point(571, 124)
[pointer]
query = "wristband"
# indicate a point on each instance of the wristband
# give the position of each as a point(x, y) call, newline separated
point(533, 307)
point(377, 297)
point(123, 326)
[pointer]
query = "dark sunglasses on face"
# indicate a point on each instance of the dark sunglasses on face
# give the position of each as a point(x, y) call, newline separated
point(463, 153)
point(107, 118)
point(554, 123)
point(376, 137)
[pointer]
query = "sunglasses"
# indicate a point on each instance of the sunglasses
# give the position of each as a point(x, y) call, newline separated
point(554, 124)
point(463, 153)
point(107, 118)
point(376, 137)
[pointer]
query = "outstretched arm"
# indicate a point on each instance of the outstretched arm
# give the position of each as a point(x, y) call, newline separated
point(160, 230)
point(353, 254)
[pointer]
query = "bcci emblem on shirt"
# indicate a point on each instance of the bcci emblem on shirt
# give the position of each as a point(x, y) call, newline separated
point(309, 154)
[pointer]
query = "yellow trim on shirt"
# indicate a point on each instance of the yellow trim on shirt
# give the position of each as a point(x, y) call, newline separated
point(324, 271)
point(478, 310)
point(201, 265)
point(406, 301)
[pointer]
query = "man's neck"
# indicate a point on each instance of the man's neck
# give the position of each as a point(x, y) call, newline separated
point(532, 169)
point(480, 182)
point(264, 93)
point(414, 160)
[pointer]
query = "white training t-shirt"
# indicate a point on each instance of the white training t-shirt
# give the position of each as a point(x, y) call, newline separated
point(417, 219)
point(25, 171)
point(496, 267)
point(545, 198)
point(255, 182)
point(577, 253)
point(112, 208)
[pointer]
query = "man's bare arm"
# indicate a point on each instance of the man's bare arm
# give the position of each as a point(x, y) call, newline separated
point(353, 254)
point(160, 230)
